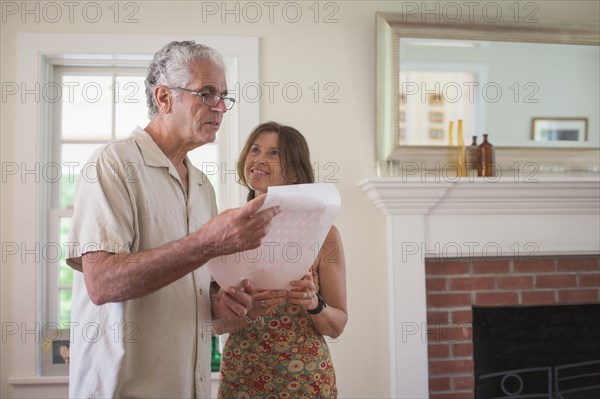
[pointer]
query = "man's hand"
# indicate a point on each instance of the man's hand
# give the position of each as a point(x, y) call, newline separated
point(236, 230)
point(233, 303)
point(111, 277)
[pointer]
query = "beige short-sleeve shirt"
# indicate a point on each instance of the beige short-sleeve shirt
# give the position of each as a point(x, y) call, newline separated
point(129, 198)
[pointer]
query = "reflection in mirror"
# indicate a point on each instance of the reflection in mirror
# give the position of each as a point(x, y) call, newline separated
point(499, 88)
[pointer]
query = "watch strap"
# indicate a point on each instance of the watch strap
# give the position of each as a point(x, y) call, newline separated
point(321, 305)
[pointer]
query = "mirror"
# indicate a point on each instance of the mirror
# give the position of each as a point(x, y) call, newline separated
point(531, 87)
point(483, 82)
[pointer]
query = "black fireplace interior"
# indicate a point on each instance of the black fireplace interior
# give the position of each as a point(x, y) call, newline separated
point(537, 351)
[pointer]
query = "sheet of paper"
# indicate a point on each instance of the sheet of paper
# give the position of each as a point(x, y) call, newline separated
point(291, 246)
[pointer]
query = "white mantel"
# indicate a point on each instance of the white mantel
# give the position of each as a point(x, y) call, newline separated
point(470, 218)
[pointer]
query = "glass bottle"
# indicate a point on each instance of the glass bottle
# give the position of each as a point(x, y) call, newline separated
point(472, 158)
point(486, 158)
point(215, 359)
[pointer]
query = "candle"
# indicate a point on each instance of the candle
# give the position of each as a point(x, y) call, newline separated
point(460, 148)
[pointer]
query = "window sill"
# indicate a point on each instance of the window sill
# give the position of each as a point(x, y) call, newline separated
point(60, 380)
point(37, 380)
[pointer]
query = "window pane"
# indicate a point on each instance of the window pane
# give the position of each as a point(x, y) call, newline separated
point(65, 277)
point(67, 190)
point(87, 107)
point(206, 158)
point(74, 160)
point(66, 272)
point(64, 307)
point(130, 109)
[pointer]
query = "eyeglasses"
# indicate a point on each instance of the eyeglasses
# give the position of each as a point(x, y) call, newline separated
point(210, 99)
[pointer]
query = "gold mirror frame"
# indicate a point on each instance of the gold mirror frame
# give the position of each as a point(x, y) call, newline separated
point(390, 27)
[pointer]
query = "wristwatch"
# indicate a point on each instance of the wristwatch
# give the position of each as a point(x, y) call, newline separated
point(322, 305)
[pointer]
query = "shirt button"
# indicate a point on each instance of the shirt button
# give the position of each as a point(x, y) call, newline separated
point(201, 291)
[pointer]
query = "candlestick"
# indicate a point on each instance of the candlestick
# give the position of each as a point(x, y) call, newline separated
point(460, 149)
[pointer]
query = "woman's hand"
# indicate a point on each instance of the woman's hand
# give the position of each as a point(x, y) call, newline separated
point(304, 292)
point(264, 300)
point(233, 307)
point(233, 303)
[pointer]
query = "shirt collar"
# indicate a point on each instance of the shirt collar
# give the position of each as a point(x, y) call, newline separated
point(153, 155)
point(151, 152)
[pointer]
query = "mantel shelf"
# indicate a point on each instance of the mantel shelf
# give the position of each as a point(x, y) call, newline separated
point(467, 195)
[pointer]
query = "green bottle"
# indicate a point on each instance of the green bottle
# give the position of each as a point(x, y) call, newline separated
point(215, 359)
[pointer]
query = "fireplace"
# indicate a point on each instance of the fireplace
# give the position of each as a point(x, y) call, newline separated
point(545, 351)
point(472, 301)
point(458, 243)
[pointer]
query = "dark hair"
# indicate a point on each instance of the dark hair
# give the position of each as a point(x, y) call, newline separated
point(294, 155)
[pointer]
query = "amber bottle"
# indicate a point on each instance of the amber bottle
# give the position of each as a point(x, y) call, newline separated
point(472, 158)
point(486, 158)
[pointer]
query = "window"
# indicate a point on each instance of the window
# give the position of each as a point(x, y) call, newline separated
point(96, 105)
point(38, 142)
point(425, 114)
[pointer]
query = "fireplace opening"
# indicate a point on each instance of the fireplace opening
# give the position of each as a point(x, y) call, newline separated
point(537, 351)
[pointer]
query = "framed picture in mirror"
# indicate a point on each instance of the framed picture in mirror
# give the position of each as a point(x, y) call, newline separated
point(436, 133)
point(559, 129)
point(436, 117)
point(435, 99)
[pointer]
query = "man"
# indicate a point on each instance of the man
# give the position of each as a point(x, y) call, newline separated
point(142, 227)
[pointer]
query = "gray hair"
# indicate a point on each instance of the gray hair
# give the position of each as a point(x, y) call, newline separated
point(171, 67)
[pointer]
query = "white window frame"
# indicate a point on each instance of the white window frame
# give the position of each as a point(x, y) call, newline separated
point(38, 53)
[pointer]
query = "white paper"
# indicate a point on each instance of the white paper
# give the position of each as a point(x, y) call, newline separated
point(291, 245)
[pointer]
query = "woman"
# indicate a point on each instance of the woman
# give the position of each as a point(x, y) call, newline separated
point(280, 349)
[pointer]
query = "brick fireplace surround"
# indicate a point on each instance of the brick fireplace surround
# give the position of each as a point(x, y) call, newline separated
point(454, 286)
point(544, 237)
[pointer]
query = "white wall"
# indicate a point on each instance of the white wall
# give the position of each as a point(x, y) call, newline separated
point(341, 53)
